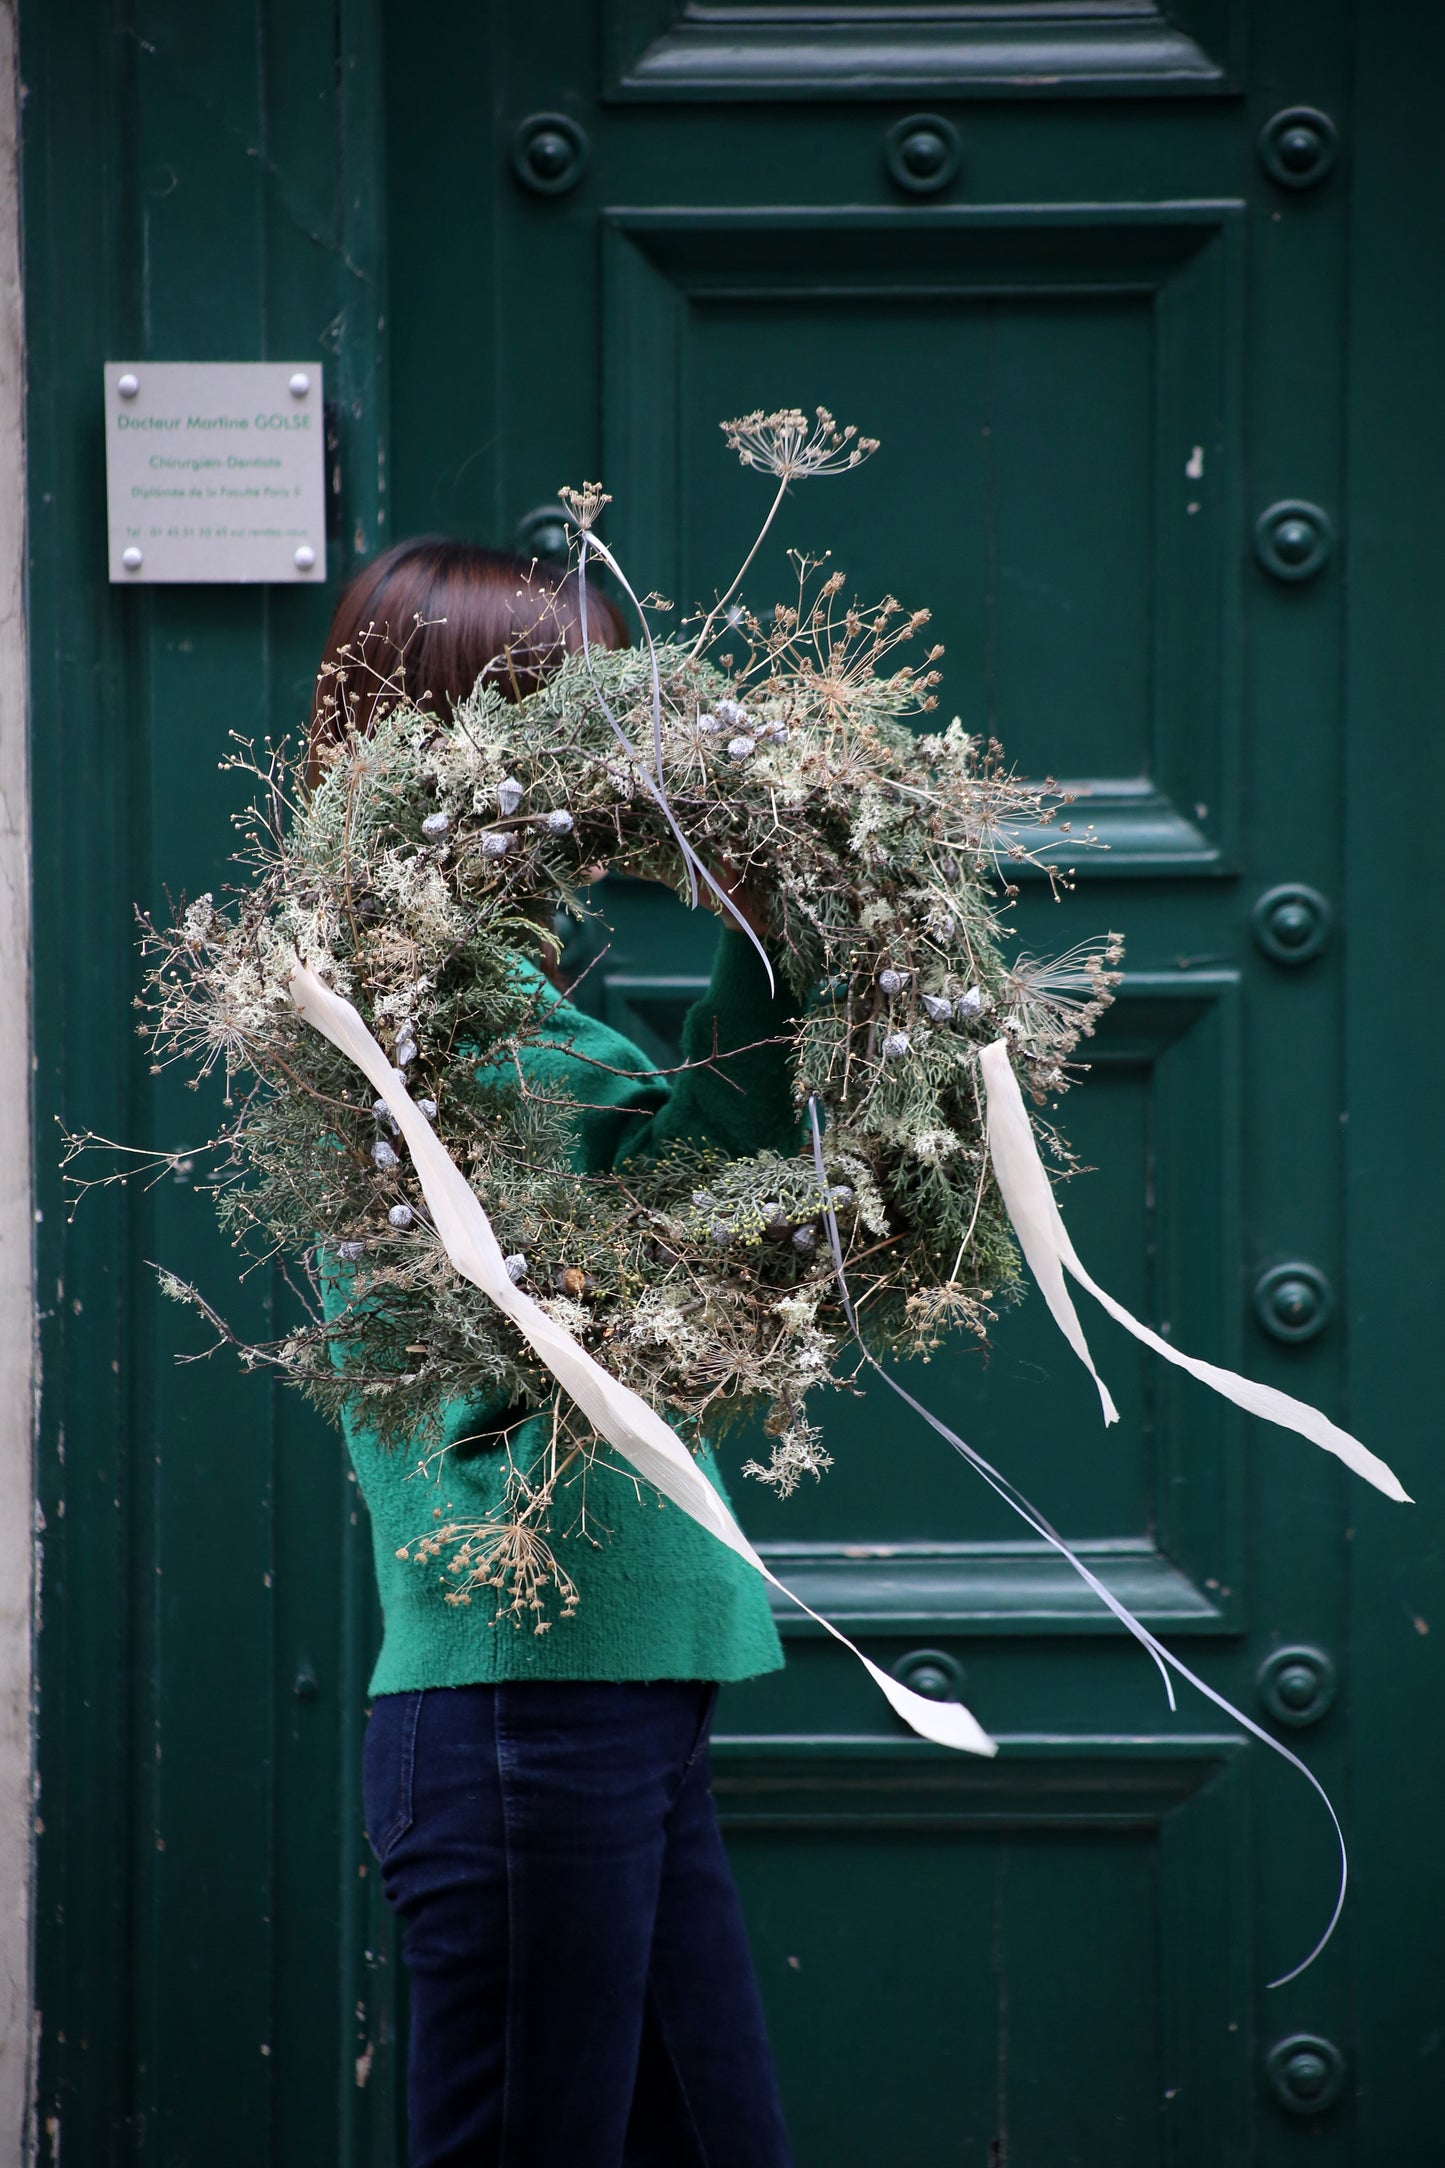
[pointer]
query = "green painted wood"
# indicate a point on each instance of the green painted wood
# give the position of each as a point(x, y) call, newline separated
point(1094, 359)
point(1392, 1186)
point(1066, 1846)
point(212, 1937)
point(1052, 354)
point(658, 49)
point(1012, 320)
point(85, 1912)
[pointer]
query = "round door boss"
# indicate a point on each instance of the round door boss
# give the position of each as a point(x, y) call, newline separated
point(922, 153)
point(1306, 2073)
point(1293, 539)
point(932, 1673)
point(1293, 1301)
point(1291, 922)
point(1296, 1686)
point(549, 153)
point(1299, 146)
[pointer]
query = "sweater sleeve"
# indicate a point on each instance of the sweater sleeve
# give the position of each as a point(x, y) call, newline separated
point(739, 1097)
point(737, 1094)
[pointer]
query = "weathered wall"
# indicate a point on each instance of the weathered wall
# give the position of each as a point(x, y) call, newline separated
point(17, 1309)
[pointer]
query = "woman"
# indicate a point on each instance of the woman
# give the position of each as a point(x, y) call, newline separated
point(581, 1987)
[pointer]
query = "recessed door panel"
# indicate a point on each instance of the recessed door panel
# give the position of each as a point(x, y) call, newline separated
point(1010, 369)
point(944, 1955)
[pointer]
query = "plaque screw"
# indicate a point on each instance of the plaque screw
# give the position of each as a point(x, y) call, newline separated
point(128, 385)
point(300, 384)
point(305, 558)
point(131, 559)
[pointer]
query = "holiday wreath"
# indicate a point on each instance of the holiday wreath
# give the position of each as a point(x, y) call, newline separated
point(371, 991)
point(438, 849)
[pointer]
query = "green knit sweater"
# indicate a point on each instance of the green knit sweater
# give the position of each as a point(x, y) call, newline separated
point(660, 1598)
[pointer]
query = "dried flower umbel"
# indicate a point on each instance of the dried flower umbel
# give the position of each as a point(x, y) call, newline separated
point(788, 445)
point(435, 852)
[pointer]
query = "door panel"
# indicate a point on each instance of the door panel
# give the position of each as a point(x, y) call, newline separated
point(978, 2031)
point(1013, 363)
point(1095, 358)
point(1062, 354)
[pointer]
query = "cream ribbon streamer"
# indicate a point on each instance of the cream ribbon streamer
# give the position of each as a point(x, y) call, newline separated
point(1029, 1199)
point(614, 1411)
point(653, 782)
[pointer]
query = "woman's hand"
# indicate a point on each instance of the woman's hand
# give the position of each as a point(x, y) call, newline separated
point(730, 882)
point(738, 894)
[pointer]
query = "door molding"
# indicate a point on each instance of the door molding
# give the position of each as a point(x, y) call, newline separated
point(664, 49)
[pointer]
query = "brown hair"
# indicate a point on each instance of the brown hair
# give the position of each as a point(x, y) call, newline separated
point(429, 617)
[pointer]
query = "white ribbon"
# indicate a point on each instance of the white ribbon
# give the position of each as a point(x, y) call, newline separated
point(1029, 1199)
point(654, 783)
point(653, 1449)
point(613, 1409)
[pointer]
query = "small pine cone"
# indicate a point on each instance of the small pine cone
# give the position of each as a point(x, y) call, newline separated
point(436, 825)
point(841, 1197)
point(384, 1156)
point(805, 1240)
point(516, 1266)
point(895, 1046)
point(349, 1252)
point(401, 1215)
point(720, 1232)
point(384, 1114)
point(560, 822)
point(937, 1009)
point(891, 982)
point(732, 712)
point(428, 1107)
point(497, 844)
point(968, 1004)
point(509, 796)
point(573, 1281)
point(740, 748)
point(708, 726)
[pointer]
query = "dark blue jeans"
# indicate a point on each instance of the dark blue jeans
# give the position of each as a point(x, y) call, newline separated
point(582, 1995)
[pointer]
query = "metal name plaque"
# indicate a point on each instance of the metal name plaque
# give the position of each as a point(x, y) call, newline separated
point(215, 471)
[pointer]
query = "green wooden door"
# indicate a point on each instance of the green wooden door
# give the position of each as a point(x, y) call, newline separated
point(1100, 313)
